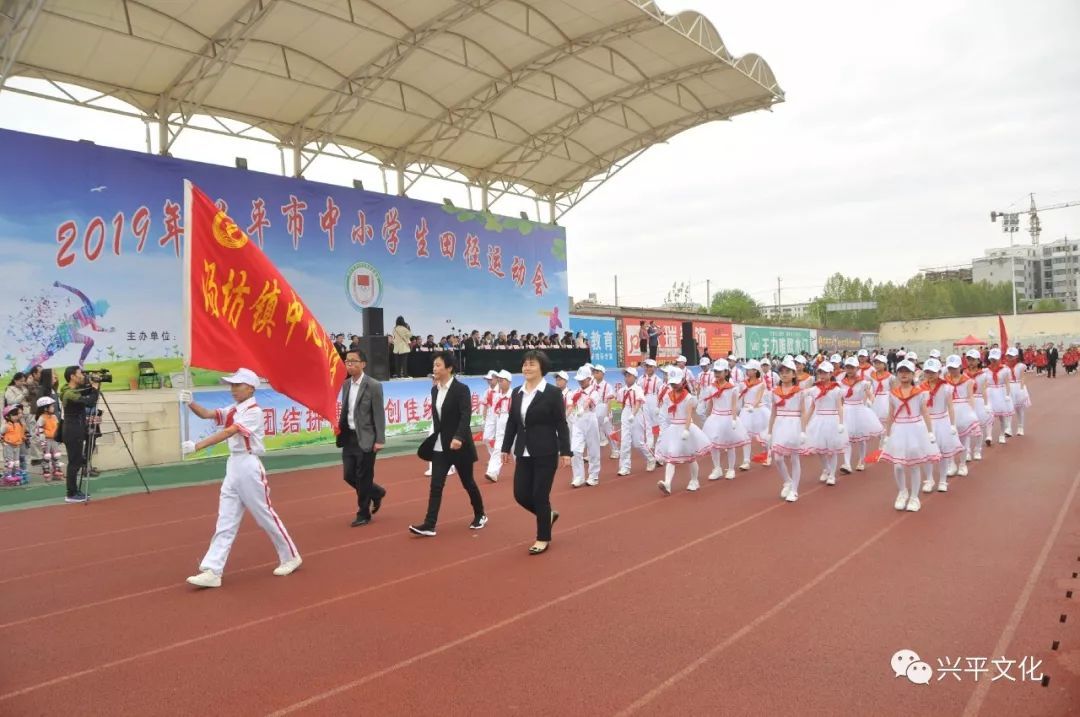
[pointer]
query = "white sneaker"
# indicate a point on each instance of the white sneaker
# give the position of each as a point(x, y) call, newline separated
point(968, 458)
point(576, 483)
point(785, 490)
point(427, 472)
point(744, 467)
point(962, 470)
point(1001, 439)
point(768, 460)
point(831, 480)
point(693, 486)
point(928, 485)
point(989, 441)
point(845, 468)
point(663, 487)
point(978, 455)
point(614, 456)
point(952, 471)
point(792, 497)
point(860, 467)
point(824, 476)
point(205, 579)
point(730, 475)
point(942, 487)
point(592, 482)
point(493, 479)
point(623, 473)
point(1020, 431)
point(650, 466)
point(913, 504)
point(288, 566)
point(603, 442)
point(901, 500)
point(717, 474)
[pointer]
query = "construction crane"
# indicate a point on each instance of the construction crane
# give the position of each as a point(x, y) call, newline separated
point(1011, 220)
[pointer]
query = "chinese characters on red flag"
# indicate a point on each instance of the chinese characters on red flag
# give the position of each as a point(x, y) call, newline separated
point(244, 313)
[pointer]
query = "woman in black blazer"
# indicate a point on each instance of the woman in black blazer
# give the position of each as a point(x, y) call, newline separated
point(537, 434)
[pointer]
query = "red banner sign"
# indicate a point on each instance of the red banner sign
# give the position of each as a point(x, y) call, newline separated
point(715, 335)
point(242, 312)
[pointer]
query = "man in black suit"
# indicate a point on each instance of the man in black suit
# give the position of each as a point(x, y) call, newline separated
point(1052, 361)
point(361, 433)
point(339, 346)
point(450, 444)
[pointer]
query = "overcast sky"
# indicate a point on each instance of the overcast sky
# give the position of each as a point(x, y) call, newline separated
point(904, 125)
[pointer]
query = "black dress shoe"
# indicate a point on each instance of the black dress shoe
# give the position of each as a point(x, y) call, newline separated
point(376, 502)
point(360, 521)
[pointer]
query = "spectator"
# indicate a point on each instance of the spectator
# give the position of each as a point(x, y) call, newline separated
point(654, 340)
point(15, 393)
point(339, 345)
point(354, 343)
point(401, 336)
point(1052, 357)
point(429, 344)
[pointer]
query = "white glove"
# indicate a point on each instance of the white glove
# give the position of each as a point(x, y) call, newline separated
point(841, 428)
point(749, 409)
point(952, 430)
point(187, 447)
point(765, 437)
point(884, 441)
point(802, 438)
point(734, 423)
point(932, 438)
point(686, 434)
point(184, 396)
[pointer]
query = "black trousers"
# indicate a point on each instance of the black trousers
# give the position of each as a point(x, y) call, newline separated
point(1051, 369)
point(359, 467)
point(532, 489)
point(653, 348)
point(401, 365)
point(76, 451)
point(440, 466)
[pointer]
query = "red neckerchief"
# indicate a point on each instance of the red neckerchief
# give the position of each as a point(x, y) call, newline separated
point(779, 393)
point(850, 386)
point(767, 378)
point(577, 397)
point(972, 373)
point(720, 388)
point(880, 380)
point(1012, 371)
point(932, 389)
point(905, 403)
point(649, 380)
point(823, 388)
point(749, 385)
point(800, 377)
point(994, 372)
point(677, 396)
point(628, 394)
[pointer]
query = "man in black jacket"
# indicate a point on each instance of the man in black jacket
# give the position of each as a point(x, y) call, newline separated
point(1052, 361)
point(450, 444)
point(78, 397)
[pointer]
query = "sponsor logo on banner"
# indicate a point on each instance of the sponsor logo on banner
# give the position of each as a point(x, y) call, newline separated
point(363, 285)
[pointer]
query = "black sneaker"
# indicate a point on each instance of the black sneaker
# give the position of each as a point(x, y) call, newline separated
point(478, 522)
point(376, 502)
point(428, 531)
point(77, 498)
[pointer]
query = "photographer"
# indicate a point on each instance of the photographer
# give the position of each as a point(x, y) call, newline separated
point(78, 397)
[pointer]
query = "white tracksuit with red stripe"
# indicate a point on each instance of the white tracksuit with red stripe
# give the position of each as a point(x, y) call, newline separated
point(245, 486)
point(604, 395)
point(651, 386)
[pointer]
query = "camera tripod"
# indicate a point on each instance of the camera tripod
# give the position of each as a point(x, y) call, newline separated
point(93, 428)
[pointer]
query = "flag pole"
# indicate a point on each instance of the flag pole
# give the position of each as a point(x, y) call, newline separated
point(186, 307)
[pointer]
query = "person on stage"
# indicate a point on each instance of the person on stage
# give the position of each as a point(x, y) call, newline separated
point(245, 485)
point(450, 444)
point(537, 435)
point(361, 434)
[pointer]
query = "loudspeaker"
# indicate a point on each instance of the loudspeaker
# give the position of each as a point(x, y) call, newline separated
point(373, 323)
point(377, 350)
point(689, 345)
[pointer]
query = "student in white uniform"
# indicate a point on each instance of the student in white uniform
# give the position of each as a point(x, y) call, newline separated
point(754, 410)
point(722, 425)
point(966, 419)
point(998, 395)
point(1018, 392)
point(881, 383)
point(584, 430)
point(826, 435)
point(632, 423)
point(605, 394)
point(979, 378)
point(786, 434)
point(803, 377)
point(701, 382)
point(680, 440)
point(860, 420)
point(910, 437)
point(245, 485)
point(651, 383)
point(939, 402)
point(500, 408)
point(865, 367)
point(487, 414)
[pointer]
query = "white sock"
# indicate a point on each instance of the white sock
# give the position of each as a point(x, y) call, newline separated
point(782, 467)
point(731, 458)
point(916, 480)
point(847, 454)
point(669, 474)
point(716, 459)
point(694, 473)
point(796, 472)
point(899, 477)
point(746, 452)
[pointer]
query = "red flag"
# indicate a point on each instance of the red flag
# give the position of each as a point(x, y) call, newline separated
point(1004, 335)
point(242, 312)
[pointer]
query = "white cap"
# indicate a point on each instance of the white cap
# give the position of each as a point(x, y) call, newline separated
point(912, 356)
point(675, 375)
point(753, 365)
point(901, 353)
point(583, 374)
point(905, 364)
point(630, 371)
point(45, 401)
point(835, 358)
point(825, 366)
point(788, 362)
point(704, 362)
point(1012, 351)
point(680, 359)
point(851, 361)
point(995, 355)
point(932, 365)
point(505, 375)
point(881, 359)
point(864, 352)
point(973, 353)
point(243, 375)
point(953, 361)
point(563, 375)
point(491, 374)
point(935, 354)
point(800, 359)
point(650, 362)
point(765, 364)
point(721, 365)
point(599, 368)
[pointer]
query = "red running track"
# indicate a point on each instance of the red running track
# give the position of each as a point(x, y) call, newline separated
point(727, 601)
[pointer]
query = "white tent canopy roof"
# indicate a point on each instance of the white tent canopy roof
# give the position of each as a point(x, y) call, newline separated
point(544, 94)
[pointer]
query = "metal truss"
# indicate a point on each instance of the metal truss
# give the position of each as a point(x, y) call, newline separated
point(16, 19)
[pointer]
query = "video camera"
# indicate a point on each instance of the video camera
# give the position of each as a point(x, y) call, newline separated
point(101, 376)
